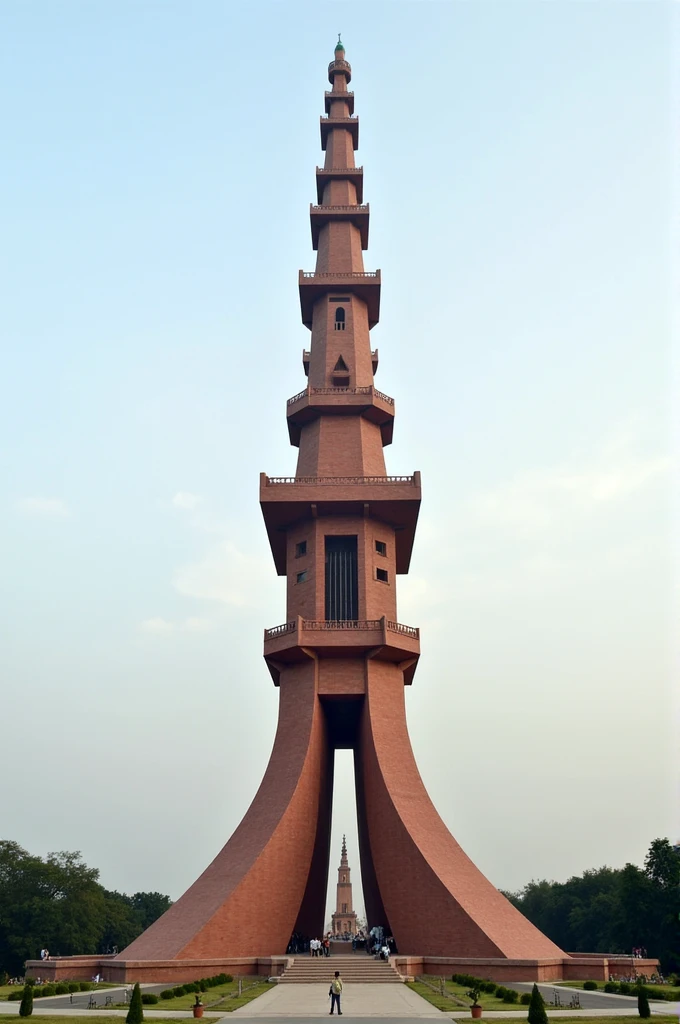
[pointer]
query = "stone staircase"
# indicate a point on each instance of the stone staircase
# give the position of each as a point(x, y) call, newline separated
point(355, 969)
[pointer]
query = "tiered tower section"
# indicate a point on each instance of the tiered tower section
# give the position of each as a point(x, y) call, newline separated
point(344, 919)
point(341, 529)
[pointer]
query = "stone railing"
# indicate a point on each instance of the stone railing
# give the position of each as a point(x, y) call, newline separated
point(340, 170)
point(333, 95)
point(396, 627)
point(339, 65)
point(339, 120)
point(339, 480)
point(341, 624)
point(369, 390)
point(354, 208)
point(287, 627)
point(365, 275)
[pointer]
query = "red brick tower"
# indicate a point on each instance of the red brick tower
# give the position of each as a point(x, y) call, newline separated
point(344, 920)
point(341, 530)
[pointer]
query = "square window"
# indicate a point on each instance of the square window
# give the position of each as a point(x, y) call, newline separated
point(301, 549)
point(382, 575)
point(381, 547)
point(301, 576)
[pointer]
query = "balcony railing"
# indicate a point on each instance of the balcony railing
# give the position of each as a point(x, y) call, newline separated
point(364, 276)
point(353, 208)
point(340, 170)
point(333, 95)
point(340, 480)
point(286, 627)
point(397, 627)
point(369, 390)
point(339, 65)
point(342, 624)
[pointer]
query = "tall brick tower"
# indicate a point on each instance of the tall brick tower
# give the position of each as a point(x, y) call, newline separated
point(344, 920)
point(341, 530)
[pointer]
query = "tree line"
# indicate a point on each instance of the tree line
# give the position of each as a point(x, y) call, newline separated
point(609, 910)
point(58, 903)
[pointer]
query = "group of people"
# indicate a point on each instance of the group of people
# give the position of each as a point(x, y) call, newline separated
point(44, 954)
point(320, 947)
point(639, 953)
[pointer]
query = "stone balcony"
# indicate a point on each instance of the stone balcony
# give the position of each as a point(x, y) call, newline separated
point(355, 214)
point(330, 97)
point(348, 124)
point(382, 638)
point(339, 67)
point(365, 285)
point(353, 174)
point(367, 401)
point(394, 500)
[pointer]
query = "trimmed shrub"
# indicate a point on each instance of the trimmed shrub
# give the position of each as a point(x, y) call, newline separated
point(26, 1008)
point(611, 986)
point(625, 988)
point(149, 998)
point(500, 991)
point(489, 986)
point(167, 993)
point(203, 985)
point(14, 997)
point(178, 990)
point(85, 986)
point(45, 990)
point(61, 989)
point(643, 1003)
point(525, 998)
point(135, 1014)
point(537, 1014)
point(511, 995)
point(589, 986)
point(73, 986)
point(226, 979)
point(29, 981)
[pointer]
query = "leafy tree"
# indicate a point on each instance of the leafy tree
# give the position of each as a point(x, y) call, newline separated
point(537, 1014)
point(26, 1007)
point(135, 1014)
point(149, 906)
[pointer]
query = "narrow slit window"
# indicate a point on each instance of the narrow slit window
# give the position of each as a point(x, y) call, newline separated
point(340, 319)
point(381, 547)
point(301, 549)
point(301, 576)
point(382, 575)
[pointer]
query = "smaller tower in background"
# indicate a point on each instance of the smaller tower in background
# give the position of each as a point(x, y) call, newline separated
point(344, 920)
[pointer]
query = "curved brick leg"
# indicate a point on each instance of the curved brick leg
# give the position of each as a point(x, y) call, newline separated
point(435, 900)
point(247, 902)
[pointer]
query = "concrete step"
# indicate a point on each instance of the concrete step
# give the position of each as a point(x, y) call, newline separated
point(353, 970)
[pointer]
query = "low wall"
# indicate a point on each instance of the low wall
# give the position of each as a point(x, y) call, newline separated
point(175, 972)
point(576, 967)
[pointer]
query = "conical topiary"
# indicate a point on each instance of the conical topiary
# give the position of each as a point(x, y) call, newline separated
point(135, 1014)
point(26, 1008)
point(643, 1003)
point(537, 1014)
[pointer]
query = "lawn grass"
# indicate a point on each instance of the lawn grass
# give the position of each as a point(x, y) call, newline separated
point(600, 987)
point(455, 996)
point(46, 1019)
point(226, 995)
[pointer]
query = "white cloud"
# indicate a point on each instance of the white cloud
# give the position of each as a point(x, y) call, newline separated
point(193, 624)
point(535, 499)
point(185, 499)
point(48, 507)
point(156, 625)
point(226, 575)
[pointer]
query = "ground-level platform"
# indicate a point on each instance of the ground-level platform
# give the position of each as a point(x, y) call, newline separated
point(577, 966)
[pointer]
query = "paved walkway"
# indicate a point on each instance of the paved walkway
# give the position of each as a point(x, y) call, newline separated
point(397, 1001)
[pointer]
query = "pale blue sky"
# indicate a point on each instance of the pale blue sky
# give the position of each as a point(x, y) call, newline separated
point(157, 168)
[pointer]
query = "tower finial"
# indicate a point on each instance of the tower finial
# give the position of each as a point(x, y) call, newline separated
point(338, 45)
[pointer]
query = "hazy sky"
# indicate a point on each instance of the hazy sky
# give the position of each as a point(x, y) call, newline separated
point(157, 165)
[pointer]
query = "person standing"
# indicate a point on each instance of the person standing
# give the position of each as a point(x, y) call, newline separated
point(335, 992)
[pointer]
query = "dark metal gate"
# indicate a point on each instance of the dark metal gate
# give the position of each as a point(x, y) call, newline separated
point(342, 590)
